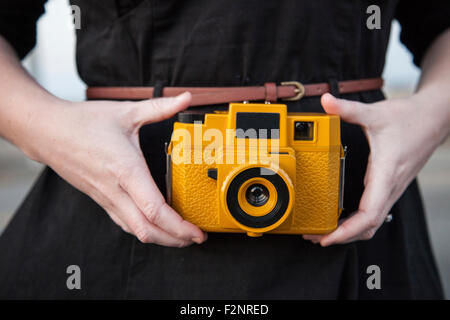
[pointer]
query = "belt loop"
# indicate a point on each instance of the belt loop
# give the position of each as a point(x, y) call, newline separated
point(271, 92)
point(158, 89)
point(334, 87)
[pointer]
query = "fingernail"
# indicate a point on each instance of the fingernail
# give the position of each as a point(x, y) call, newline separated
point(324, 244)
point(197, 240)
point(182, 95)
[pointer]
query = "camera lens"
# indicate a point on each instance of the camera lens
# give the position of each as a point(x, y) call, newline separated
point(257, 203)
point(257, 195)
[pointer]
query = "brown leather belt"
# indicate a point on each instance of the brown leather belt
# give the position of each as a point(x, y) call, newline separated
point(288, 91)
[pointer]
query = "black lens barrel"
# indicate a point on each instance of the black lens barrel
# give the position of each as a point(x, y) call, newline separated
point(258, 221)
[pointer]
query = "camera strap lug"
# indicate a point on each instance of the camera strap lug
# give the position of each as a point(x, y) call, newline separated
point(168, 175)
point(342, 178)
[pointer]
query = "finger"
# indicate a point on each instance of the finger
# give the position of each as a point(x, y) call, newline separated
point(351, 229)
point(155, 110)
point(368, 169)
point(350, 111)
point(362, 224)
point(139, 184)
point(314, 238)
point(119, 221)
point(138, 225)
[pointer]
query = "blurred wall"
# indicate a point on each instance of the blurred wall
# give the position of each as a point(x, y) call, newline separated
point(52, 62)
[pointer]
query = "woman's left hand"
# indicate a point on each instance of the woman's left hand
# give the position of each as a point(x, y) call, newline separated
point(402, 134)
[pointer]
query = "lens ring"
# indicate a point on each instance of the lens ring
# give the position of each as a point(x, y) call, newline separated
point(247, 207)
point(268, 219)
point(257, 195)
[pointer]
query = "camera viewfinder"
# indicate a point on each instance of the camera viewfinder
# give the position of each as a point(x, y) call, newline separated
point(303, 130)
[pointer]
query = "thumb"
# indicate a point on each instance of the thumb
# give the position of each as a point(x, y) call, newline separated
point(350, 111)
point(155, 110)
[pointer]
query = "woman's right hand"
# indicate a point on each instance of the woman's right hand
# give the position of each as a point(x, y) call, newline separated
point(94, 145)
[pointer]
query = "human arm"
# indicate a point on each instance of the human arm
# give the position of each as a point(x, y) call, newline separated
point(402, 134)
point(94, 146)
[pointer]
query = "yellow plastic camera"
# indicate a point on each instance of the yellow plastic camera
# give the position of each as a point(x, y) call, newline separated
point(257, 169)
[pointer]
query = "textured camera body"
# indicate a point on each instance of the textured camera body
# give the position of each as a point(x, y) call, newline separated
point(289, 181)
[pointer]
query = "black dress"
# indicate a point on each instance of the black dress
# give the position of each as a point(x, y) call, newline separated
point(220, 43)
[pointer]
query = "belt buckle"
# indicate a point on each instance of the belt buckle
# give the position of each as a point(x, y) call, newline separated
point(299, 90)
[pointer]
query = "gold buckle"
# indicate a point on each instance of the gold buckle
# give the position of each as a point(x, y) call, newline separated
point(299, 90)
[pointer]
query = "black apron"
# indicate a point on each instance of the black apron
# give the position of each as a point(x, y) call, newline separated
point(222, 43)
